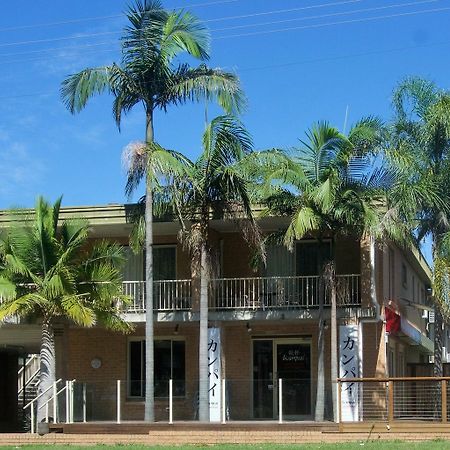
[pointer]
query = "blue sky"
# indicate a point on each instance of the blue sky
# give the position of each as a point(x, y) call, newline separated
point(336, 54)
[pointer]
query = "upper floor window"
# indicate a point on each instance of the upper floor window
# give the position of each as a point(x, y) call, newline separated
point(404, 275)
point(303, 261)
point(164, 264)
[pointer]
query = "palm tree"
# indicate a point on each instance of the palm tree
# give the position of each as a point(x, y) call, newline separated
point(47, 273)
point(328, 188)
point(150, 75)
point(214, 186)
point(420, 151)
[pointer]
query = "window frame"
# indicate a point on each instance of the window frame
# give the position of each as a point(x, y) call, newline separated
point(142, 339)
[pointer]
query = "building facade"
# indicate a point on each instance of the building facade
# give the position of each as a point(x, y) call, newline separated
point(264, 318)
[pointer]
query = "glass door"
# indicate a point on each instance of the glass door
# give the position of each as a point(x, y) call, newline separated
point(290, 360)
point(263, 384)
point(293, 365)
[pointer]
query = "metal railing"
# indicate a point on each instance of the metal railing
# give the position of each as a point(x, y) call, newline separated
point(31, 404)
point(28, 373)
point(295, 292)
point(394, 399)
point(256, 293)
point(168, 295)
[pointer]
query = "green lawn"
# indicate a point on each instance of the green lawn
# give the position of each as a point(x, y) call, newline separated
point(392, 445)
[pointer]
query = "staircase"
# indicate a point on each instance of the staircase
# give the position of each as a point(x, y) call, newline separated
point(27, 386)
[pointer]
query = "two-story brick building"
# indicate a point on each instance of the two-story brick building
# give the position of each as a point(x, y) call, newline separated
point(266, 317)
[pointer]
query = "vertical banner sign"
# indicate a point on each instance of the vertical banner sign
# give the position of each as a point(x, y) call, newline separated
point(215, 374)
point(348, 369)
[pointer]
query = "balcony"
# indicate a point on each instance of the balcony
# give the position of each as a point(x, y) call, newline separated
point(258, 293)
point(168, 295)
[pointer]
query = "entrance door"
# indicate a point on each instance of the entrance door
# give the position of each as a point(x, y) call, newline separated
point(290, 360)
point(293, 366)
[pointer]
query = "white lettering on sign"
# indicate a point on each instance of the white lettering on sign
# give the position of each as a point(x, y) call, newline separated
point(348, 369)
point(215, 374)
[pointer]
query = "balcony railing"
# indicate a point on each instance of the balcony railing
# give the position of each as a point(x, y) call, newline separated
point(261, 293)
point(266, 293)
point(168, 295)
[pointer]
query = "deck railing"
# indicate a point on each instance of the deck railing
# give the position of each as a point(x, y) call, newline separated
point(259, 293)
point(394, 399)
point(265, 293)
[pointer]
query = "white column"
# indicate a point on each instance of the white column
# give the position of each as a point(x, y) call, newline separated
point(32, 418)
point(84, 403)
point(118, 401)
point(55, 401)
point(67, 402)
point(224, 407)
point(280, 400)
point(71, 400)
point(170, 401)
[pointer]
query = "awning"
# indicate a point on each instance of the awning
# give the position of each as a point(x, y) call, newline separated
point(402, 327)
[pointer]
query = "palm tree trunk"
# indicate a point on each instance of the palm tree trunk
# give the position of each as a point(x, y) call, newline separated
point(149, 409)
point(47, 367)
point(333, 347)
point(203, 396)
point(438, 367)
point(320, 392)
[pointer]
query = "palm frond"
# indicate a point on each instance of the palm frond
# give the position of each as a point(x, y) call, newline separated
point(203, 83)
point(77, 89)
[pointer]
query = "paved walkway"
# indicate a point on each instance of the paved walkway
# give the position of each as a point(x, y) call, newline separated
point(174, 437)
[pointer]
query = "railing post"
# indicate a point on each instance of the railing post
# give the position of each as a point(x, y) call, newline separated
point(280, 400)
point(170, 401)
point(339, 404)
point(118, 401)
point(84, 403)
point(32, 418)
point(444, 400)
point(71, 400)
point(46, 413)
point(55, 400)
point(67, 402)
point(390, 401)
point(224, 406)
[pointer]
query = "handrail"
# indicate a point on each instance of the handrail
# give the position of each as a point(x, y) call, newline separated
point(387, 379)
point(290, 277)
point(155, 281)
point(28, 363)
point(40, 395)
point(28, 382)
point(57, 393)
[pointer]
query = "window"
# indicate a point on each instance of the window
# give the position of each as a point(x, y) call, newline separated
point(309, 255)
point(164, 264)
point(404, 275)
point(169, 357)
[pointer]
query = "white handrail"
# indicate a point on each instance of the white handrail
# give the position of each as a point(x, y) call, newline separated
point(41, 394)
point(57, 393)
point(28, 363)
point(28, 381)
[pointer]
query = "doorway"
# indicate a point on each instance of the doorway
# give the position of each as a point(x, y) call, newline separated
point(290, 360)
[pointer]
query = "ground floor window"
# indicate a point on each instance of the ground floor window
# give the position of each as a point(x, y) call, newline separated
point(169, 357)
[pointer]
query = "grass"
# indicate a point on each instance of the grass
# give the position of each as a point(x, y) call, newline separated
point(389, 445)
